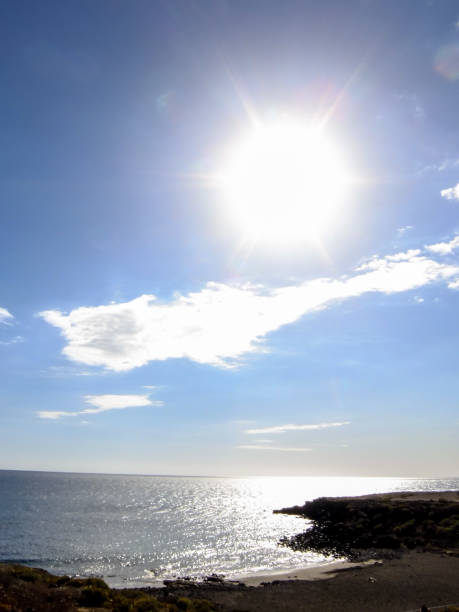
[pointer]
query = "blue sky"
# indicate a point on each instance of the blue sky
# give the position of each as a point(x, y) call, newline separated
point(150, 320)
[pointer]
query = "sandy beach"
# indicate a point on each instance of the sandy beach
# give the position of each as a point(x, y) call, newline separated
point(400, 585)
point(321, 572)
point(397, 585)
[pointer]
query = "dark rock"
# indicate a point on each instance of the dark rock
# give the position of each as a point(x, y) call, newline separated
point(214, 578)
point(343, 527)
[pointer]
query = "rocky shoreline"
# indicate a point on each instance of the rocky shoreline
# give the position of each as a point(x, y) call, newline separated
point(382, 525)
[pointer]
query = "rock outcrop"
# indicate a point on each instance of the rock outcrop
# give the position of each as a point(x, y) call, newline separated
point(379, 525)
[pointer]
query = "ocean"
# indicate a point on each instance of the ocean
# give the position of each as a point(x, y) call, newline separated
point(140, 530)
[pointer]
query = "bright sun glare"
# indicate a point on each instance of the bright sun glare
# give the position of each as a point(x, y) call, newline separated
point(284, 182)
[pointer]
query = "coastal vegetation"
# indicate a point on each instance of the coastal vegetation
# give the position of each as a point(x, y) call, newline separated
point(23, 589)
point(379, 525)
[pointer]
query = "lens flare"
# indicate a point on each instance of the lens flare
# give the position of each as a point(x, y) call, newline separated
point(447, 62)
point(284, 182)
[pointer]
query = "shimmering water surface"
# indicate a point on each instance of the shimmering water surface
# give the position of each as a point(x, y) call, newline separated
point(135, 530)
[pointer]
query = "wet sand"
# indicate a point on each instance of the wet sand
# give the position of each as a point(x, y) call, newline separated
point(321, 572)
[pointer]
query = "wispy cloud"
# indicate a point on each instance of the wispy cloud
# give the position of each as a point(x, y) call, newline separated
point(5, 316)
point(289, 449)
point(451, 194)
point(102, 403)
point(446, 164)
point(70, 370)
point(15, 340)
point(413, 103)
point(221, 323)
point(291, 427)
point(404, 229)
point(444, 248)
point(54, 415)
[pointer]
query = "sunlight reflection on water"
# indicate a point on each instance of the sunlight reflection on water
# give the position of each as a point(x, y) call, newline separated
point(139, 530)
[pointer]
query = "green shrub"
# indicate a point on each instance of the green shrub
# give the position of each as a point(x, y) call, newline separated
point(93, 595)
point(96, 582)
point(201, 605)
point(407, 528)
point(147, 604)
point(81, 582)
point(120, 603)
point(29, 574)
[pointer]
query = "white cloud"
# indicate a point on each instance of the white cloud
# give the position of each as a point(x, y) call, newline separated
point(262, 441)
point(55, 414)
point(103, 403)
point(413, 103)
point(454, 284)
point(447, 164)
point(450, 194)
point(15, 340)
point(375, 262)
point(418, 299)
point(69, 370)
point(290, 427)
point(221, 323)
point(5, 315)
point(405, 228)
point(444, 248)
point(289, 449)
point(6, 318)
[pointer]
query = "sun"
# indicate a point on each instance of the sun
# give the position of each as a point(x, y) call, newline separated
point(284, 182)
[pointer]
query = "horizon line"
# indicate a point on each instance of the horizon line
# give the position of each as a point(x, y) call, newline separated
point(146, 475)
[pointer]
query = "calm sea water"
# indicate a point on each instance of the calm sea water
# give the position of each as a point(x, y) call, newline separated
point(138, 530)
